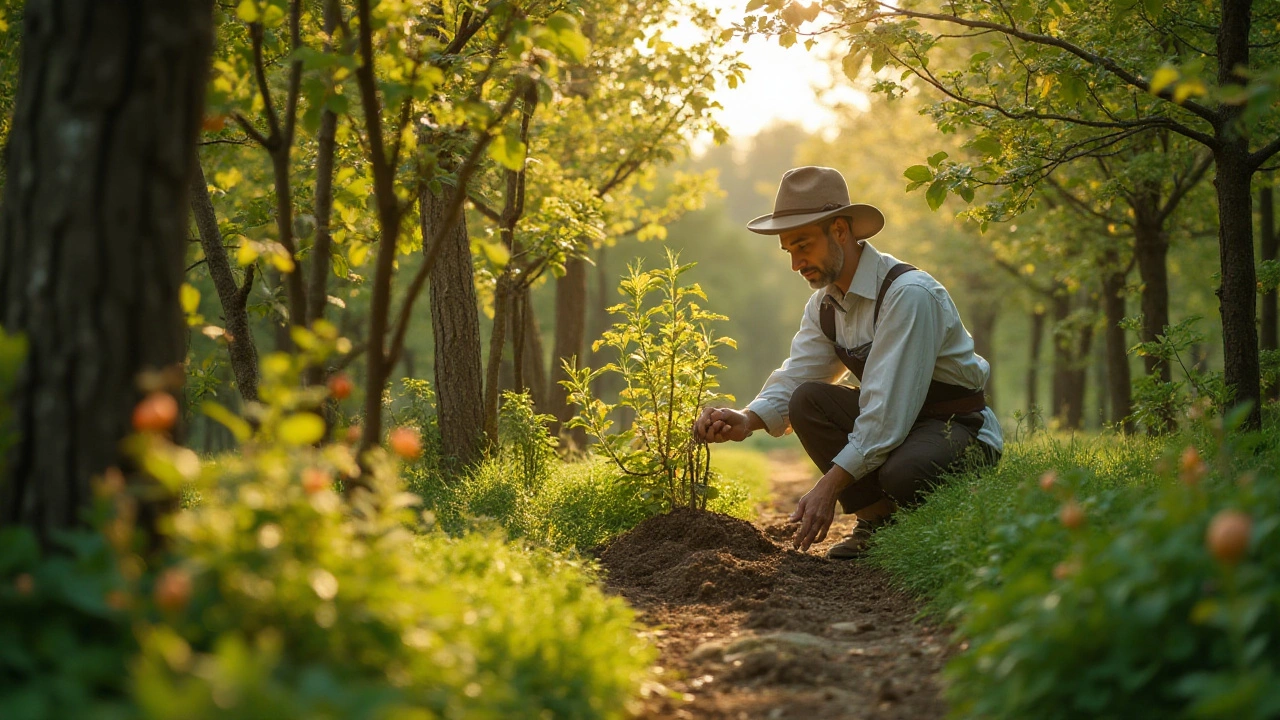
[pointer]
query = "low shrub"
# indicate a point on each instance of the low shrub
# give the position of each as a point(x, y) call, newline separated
point(1086, 582)
point(306, 605)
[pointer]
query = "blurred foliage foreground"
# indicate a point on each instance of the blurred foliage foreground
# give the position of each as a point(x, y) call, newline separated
point(1108, 577)
point(279, 595)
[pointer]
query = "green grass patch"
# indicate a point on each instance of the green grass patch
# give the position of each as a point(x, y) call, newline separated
point(575, 505)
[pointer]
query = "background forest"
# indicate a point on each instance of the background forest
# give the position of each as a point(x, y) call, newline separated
point(339, 334)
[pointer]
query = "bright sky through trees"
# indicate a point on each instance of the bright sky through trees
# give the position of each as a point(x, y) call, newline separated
point(783, 84)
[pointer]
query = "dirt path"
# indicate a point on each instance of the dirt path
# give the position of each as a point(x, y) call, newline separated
point(748, 628)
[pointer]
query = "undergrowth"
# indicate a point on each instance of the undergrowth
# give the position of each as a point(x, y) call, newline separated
point(1106, 577)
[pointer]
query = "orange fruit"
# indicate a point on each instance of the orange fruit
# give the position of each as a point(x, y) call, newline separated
point(406, 443)
point(214, 123)
point(353, 434)
point(1072, 515)
point(1048, 480)
point(340, 386)
point(315, 480)
point(1191, 468)
point(24, 584)
point(157, 412)
point(1228, 536)
point(173, 590)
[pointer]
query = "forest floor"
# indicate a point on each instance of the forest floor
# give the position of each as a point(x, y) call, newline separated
point(746, 627)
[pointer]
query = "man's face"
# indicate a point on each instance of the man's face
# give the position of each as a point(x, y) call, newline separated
point(814, 254)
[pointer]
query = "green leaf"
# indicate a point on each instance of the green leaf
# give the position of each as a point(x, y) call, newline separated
point(301, 429)
point(1163, 78)
point(936, 159)
point(248, 11)
point(936, 193)
point(918, 173)
point(754, 5)
point(508, 151)
point(189, 297)
point(236, 424)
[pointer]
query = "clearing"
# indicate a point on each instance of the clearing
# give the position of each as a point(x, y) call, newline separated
point(748, 628)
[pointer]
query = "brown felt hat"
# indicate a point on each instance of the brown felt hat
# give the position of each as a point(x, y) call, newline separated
point(810, 195)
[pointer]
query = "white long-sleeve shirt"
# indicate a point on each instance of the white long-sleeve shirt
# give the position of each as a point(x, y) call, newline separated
point(919, 338)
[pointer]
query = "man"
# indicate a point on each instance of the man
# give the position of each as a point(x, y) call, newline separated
point(920, 409)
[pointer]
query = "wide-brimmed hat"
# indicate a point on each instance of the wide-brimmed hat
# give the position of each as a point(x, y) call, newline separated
point(811, 194)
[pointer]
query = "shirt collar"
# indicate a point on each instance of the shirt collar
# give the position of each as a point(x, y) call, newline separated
point(865, 279)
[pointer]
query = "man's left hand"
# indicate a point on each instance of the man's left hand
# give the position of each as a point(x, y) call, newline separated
point(817, 509)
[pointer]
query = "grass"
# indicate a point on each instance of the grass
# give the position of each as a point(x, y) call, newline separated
point(961, 535)
point(575, 505)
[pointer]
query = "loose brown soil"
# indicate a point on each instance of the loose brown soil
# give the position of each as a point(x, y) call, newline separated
point(747, 627)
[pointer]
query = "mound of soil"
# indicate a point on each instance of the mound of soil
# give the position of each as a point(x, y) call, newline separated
point(749, 628)
point(691, 555)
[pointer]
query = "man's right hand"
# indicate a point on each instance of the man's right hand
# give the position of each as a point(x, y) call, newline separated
point(722, 424)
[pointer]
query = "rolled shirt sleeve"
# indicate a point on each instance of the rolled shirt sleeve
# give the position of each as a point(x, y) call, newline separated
point(813, 358)
point(912, 325)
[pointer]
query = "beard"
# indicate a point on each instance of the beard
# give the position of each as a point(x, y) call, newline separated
point(830, 270)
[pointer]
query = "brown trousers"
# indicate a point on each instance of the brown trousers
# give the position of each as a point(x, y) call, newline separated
point(822, 417)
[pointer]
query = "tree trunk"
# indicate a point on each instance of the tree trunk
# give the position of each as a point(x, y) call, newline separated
point(234, 298)
point(93, 235)
point(1062, 357)
point(1238, 292)
point(1151, 246)
point(455, 326)
point(1033, 367)
point(571, 316)
point(1077, 376)
point(984, 331)
point(533, 365)
point(1117, 355)
point(326, 147)
point(1267, 230)
point(497, 339)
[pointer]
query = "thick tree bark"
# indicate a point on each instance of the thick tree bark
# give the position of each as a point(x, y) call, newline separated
point(455, 326)
point(93, 234)
point(1238, 292)
point(234, 298)
point(1117, 356)
point(1267, 230)
point(571, 316)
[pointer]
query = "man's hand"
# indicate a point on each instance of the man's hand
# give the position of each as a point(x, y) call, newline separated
point(721, 424)
point(817, 509)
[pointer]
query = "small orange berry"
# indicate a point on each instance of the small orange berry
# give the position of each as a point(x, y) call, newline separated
point(157, 412)
point(214, 123)
point(1048, 480)
point(340, 386)
point(1228, 536)
point(24, 584)
point(1072, 515)
point(118, 600)
point(406, 443)
point(1065, 569)
point(173, 590)
point(1191, 468)
point(315, 480)
point(353, 434)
